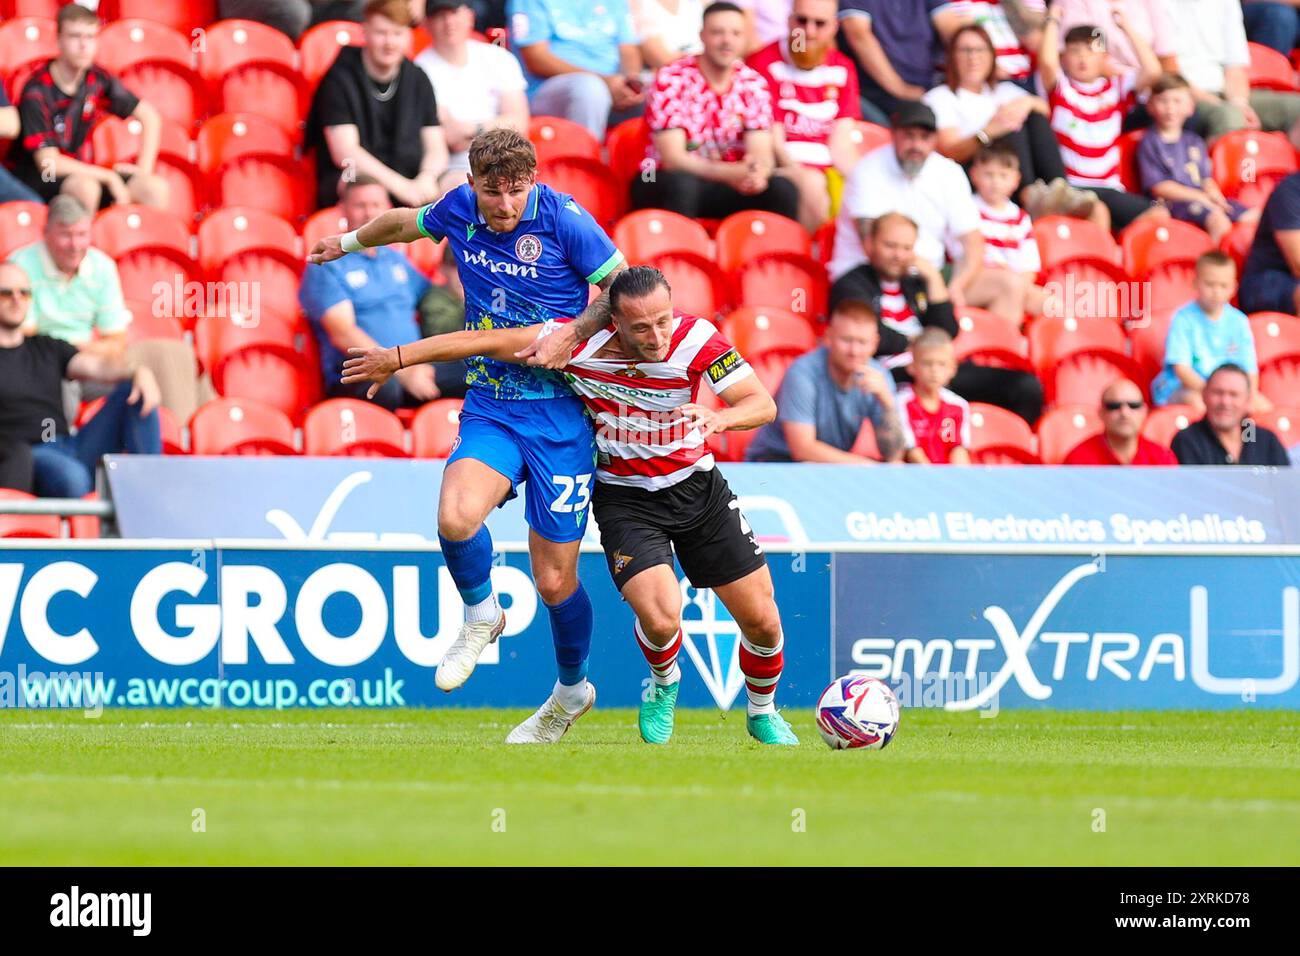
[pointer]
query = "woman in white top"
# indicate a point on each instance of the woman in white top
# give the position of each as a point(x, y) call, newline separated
point(669, 29)
point(973, 109)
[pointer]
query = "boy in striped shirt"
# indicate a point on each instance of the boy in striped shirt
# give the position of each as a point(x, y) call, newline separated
point(1008, 232)
point(1088, 107)
point(658, 493)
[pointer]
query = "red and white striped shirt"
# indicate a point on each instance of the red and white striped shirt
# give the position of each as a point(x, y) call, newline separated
point(1008, 237)
point(894, 310)
point(642, 439)
point(938, 432)
point(1013, 59)
point(1088, 119)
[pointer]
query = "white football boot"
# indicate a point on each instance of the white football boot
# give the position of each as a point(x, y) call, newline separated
point(459, 661)
point(550, 722)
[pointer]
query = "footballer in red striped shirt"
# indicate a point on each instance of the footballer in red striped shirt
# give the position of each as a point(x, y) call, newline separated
point(658, 493)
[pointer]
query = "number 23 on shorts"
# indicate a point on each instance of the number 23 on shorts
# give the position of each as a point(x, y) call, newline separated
point(571, 486)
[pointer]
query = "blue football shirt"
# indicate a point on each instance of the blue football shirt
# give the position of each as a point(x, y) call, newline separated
point(542, 269)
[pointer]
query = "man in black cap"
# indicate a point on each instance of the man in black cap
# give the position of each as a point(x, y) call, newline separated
point(910, 176)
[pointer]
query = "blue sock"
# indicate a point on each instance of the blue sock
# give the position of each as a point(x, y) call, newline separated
point(571, 625)
point(470, 564)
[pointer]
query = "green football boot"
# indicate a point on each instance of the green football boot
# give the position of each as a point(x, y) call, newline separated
point(657, 713)
point(771, 729)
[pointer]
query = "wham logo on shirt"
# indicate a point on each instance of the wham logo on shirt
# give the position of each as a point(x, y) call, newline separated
point(495, 266)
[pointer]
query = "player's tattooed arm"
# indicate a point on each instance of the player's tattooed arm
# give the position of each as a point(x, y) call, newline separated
point(378, 365)
point(554, 350)
point(889, 435)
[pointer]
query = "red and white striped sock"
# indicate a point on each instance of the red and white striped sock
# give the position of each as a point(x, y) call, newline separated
point(762, 669)
point(662, 660)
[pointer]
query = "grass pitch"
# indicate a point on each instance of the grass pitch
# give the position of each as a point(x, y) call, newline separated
point(438, 787)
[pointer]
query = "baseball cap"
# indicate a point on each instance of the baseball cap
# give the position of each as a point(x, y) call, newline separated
point(914, 113)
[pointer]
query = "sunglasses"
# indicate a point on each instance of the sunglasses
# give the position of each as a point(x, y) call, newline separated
point(803, 21)
point(15, 293)
point(1116, 406)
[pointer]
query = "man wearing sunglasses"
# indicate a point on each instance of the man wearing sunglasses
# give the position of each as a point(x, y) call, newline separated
point(32, 371)
point(1123, 410)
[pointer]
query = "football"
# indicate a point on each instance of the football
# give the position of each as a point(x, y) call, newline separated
point(857, 713)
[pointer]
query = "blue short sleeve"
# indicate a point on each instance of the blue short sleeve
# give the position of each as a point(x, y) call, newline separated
point(797, 398)
point(1178, 344)
point(529, 22)
point(419, 282)
point(320, 291)
point(591, 252)
point(432, 219)
point(627, 34)
point(1247, 358)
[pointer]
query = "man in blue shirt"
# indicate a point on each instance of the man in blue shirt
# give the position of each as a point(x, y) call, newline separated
point(581, 60)
point(827, 394)
point(525, 254)
point(893, 44)
point(1269, 280)
point(368, 299)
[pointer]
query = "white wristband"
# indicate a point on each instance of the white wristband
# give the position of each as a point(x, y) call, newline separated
point(350, 242)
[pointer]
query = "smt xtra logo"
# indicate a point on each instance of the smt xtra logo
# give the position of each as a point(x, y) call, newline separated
point(1120, 654)
point(253, 609)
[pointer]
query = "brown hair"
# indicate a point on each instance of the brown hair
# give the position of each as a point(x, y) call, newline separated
point(931, 337)
point(950, 68)
point(399, 11)
point(362, 179)
point(1169, 81)
point(74, 13)
point(502, 155)
point(1084, 33)
point(1002, 153)
point(1215, 257)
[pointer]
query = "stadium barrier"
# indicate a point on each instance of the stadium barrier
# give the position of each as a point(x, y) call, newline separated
point(240, 623)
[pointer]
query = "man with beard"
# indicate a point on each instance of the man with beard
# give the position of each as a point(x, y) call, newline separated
point(815, 97)
point(710, 119)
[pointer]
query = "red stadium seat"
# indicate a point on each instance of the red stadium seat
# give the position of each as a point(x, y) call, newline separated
point(1248, 163)
point(1065, 241)
point(1163, 424)
point(435, 427)
point(698, 285)
point(151, 247)
point(1077, 359)
point(1147, 344)
point(1238, 241)
point(239, 244)
point(1051, 338)
point(756, 332)
point(145, 324)
point(21, 224)
point(1270, 70)
point(45, 9)
point(87, 526)
point(555, 138)
point(1151, 245)
point(236, 426)
point(1275, 334)
point(24, 42)
point(745, 236)
point(1000, 437)
point(1061, 429)
point(824, 242)
point(250, 160)
point(184, 16)
point(988, 339)
point(627, 144)
point(645, 233)
point(588, 181)
point(173, 440)
point(262, 360)
point(253, 68)
point(156, 63)
point(869, 136)
point(319, 47)
point(784, 280)
point(354, 428)
point(1283, 422)
point(322, 223)
point(1279, 378)
point(27, 526)
point(770, 368)
point(116, 141)
point(1128, 171)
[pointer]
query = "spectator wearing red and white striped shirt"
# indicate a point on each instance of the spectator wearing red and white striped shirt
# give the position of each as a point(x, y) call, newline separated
point(1088, 107)
point(1009, 243)
point(815, 101)
point(935, 421)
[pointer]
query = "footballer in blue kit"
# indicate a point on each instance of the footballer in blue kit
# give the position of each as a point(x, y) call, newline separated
point(525, 254)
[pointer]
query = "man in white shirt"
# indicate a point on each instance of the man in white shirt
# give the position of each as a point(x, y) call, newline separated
point(477, 85)
point(1210, 43)
point(911, 177)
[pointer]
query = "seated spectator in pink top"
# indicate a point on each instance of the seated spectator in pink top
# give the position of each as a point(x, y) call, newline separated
point(1123, 410)
point(815, 101)
point(935, 421)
